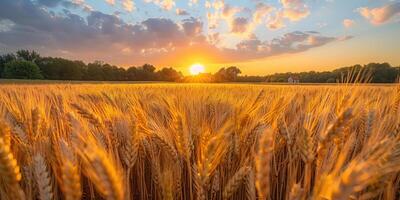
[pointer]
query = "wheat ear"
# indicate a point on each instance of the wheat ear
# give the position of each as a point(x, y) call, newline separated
point(250, 187)
point(101, 171)
point(93, 119)
point(235, 182)
point(36, 119)
point(262, 163)
point(71, 180)
point(10, 171)
point(42, 178)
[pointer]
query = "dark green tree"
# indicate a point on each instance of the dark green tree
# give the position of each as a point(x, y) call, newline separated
point(61, 69)
point(4, 59)
point(21, 69)
point(95, 72)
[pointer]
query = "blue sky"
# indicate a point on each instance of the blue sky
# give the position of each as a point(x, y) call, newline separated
point(252, 34)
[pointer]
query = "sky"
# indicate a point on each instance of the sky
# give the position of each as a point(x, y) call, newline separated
point(259, 36)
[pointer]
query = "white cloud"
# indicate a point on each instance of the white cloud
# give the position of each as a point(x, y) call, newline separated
point(6, 25)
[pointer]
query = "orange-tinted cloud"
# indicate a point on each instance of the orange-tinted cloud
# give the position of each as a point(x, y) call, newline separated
point(165, 4)
point(380, 15)
point(348, 23)
point(181, 12)
point(295, 10)
point(111, 2)
point(128, 5)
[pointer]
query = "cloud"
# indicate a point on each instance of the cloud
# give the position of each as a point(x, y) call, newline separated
point(128, 5)
point(66, 4)
point(193, 2)
point(262, 10)
point(6, 25)
point(49, 3)
point(100, 36)
point(78, 2)
point(207, 4)
point(229, 11)
point(295, 10)
point(292, 42)
point(111, 2)
point(165, 4)
point(222, 12)
point(38, 27)
point(236, 24)
point(181, 12)
point(322, 24)
point(240, 25)
point(292, 10)
point(348, 23)
point(218, 4)
point(276, 21)
point(380, 15)
point(192, 27)
point(344, 38)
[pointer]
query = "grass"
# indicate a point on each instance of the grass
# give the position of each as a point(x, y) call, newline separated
point(199, 141)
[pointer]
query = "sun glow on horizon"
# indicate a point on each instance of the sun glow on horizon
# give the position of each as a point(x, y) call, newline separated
point(196, 69)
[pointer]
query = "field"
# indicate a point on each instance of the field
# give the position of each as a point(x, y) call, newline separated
point(199, 141)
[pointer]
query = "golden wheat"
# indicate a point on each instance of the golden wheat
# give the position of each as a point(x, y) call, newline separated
point(199, 141)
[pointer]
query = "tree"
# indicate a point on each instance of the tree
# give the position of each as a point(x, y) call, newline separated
point(145, 73)
point(148, 68)
point(169, 74)
point(4, 59)
point(228, 74)
point(21, 69)
point(233, 73)
point(61, 69)
point(132, 74)
point(28, 55)
point(95, 72)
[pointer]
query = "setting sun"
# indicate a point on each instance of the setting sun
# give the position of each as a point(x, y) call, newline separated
point(196, 69)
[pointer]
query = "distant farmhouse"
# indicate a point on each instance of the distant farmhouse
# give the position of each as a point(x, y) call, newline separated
point(293, 79)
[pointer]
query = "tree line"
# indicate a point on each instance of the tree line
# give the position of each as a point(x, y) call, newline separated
point(25, 64)
point(372, 73)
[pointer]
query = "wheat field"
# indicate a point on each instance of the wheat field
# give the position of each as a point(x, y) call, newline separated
point(199, 141)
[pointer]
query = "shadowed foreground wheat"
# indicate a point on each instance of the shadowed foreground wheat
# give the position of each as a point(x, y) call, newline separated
point(160, 141)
